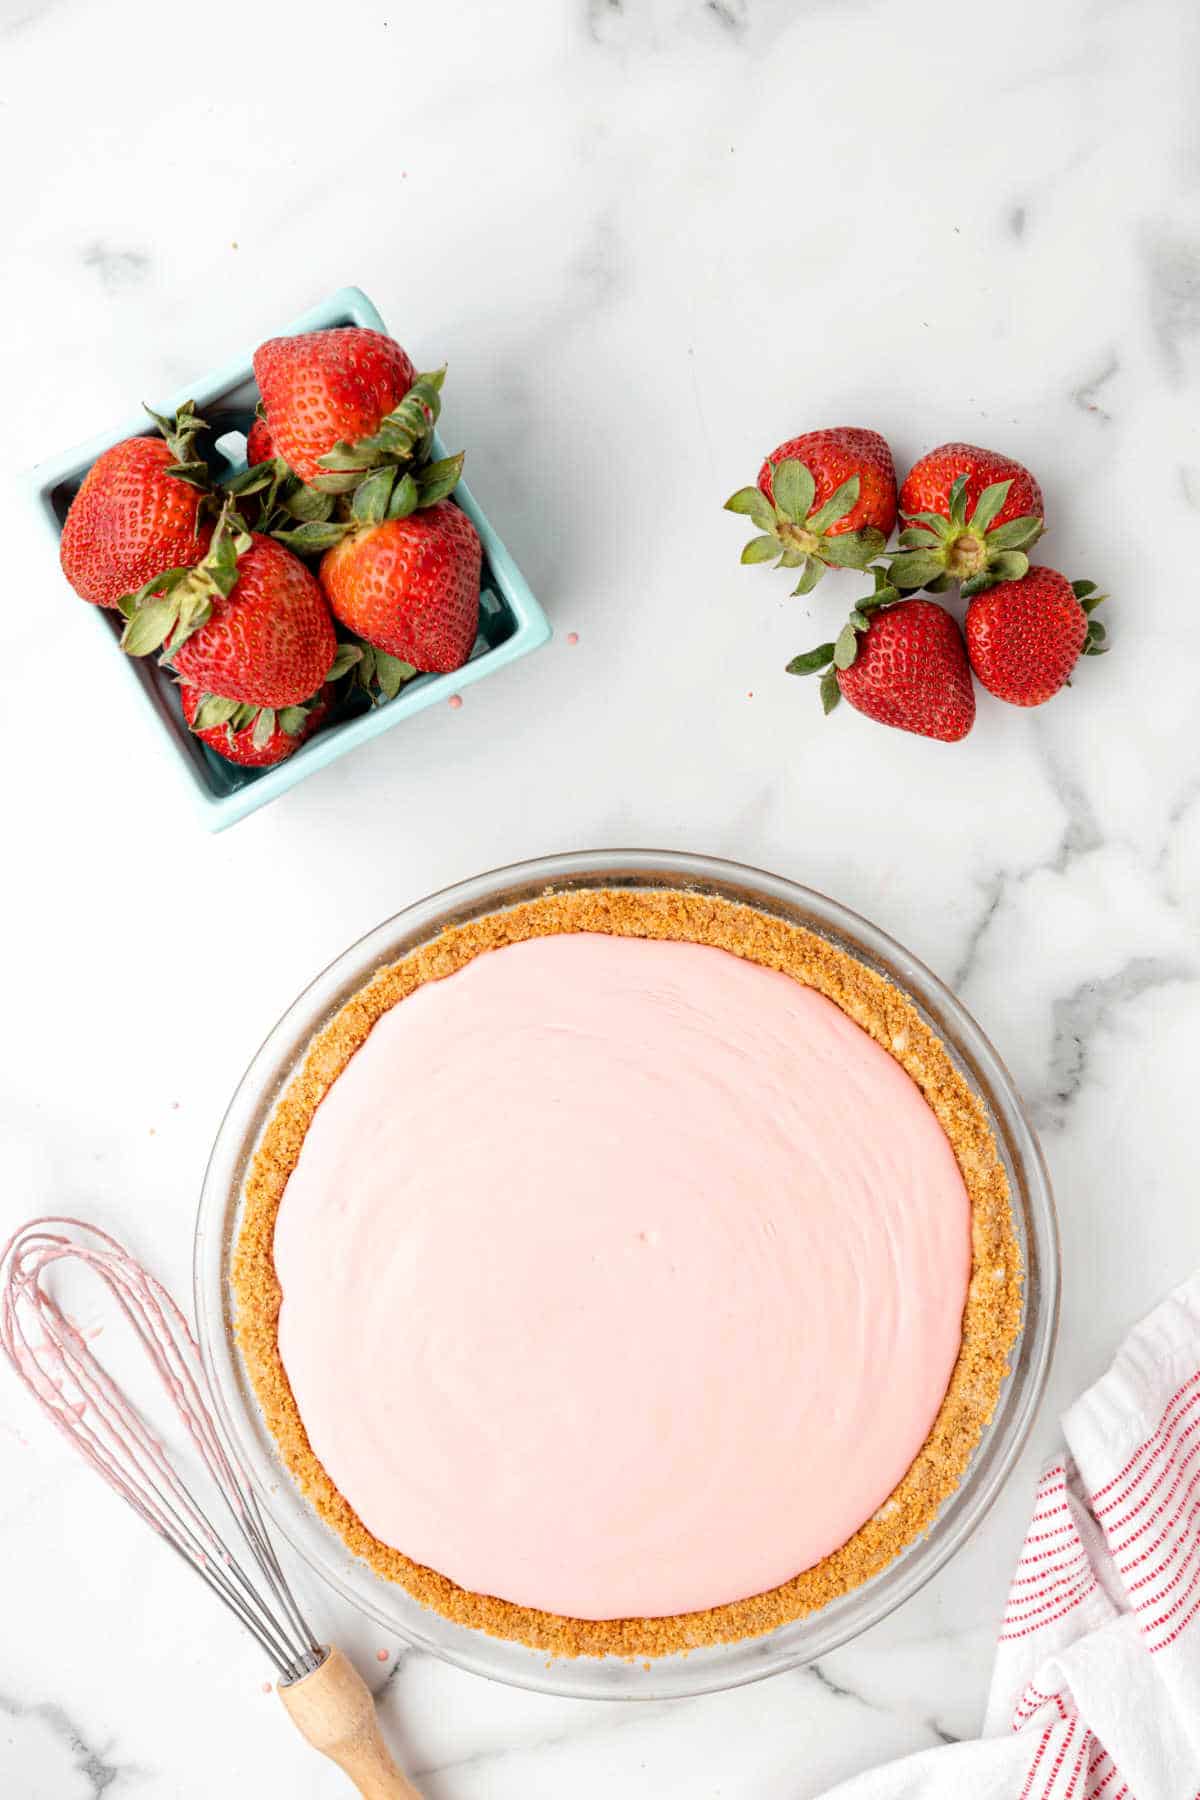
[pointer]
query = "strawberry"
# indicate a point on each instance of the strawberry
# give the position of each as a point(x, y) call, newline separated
point(1024, 637)
point(260, 445)
point(249, 623)
point(901, 662)
point(138, 512)
point(403, 571)
point(826, 497)
point(970, 516)
point(250, 736)
point(344, 401)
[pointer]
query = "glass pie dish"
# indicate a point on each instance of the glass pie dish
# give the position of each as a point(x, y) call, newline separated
point(711, 1667)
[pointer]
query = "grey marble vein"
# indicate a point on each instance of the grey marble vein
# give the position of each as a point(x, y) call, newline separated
point(600, 15)
point(402, 1660)
point(830, 1685)
point(841, 1692)
point(1081, 834)
point(731, 15)
point(1017, 221)
point(1171, 263)
point(994, 889)
point(27, 18)
point(1079, 1015)
point(92, 1763)
point(116, 268)
point(1086, 395)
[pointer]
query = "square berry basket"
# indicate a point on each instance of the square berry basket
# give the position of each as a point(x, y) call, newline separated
point(511, 623)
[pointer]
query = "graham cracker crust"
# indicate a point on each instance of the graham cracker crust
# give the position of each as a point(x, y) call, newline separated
point(991, 1318)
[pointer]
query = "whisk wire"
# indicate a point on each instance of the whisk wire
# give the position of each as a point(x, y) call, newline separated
point(57, 1365)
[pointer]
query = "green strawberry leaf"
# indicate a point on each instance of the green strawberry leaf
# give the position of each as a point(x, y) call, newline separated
point(264, 728)
point(251, 480)
point(1081, 589)
point(292, 720)
point(402, 436)
point(989, 503)
point(958, 502)
point(220, 566)
point(438, 479)
point(214, 709)
point(979, 584)
point(310, 539)
point(196, 474)
point(345, 657)
point(1018, 534)
point(306, 503)
point(371, 497)
point(913, 568)
point(843, 500)
point(405, 498)
point(391, 673)
point(1010, 565)
point(158, 586)
point(853, 549)
point(793, 487)
point(846, 648)
point(884, 591)
point(761, 550)
point(830, 692)
point(1094, 644)
point(337, 484)
point(149, 627)
point(812, 572)
point(811, 661)
point(753, 504)
point(916, 537)
point(935, 522)
point(343, 458)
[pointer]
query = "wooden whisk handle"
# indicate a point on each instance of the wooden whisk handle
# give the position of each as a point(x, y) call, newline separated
point(334, 1710)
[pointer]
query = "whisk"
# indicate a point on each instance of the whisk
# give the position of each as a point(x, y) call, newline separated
point(322, 1691)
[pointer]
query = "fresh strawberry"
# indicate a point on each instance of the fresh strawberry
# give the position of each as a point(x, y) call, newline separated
point(335, 403)
point(138, 512)
point(970, 516)
point(826, 497)
point(260, 445)
point(901, 662)
point(251, 736)
point(249, 623)
point(403, 571)
point(1024, 637)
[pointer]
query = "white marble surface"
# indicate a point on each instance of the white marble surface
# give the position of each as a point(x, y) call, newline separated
point(652, 237)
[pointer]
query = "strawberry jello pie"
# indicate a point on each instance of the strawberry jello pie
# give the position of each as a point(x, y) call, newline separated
point(627, 1270)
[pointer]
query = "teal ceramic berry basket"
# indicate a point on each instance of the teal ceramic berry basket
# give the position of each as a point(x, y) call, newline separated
point(511, 623)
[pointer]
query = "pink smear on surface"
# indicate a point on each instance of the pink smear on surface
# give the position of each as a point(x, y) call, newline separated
point(572, 637)
point(454, 702)
point(620, 1277)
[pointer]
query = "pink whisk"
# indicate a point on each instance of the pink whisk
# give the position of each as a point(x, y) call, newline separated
point(324, 1694)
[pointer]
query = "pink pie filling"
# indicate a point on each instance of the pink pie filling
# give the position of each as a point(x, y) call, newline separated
point(620, 1278)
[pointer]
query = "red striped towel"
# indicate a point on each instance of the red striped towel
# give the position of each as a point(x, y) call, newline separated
point(1096, 1689)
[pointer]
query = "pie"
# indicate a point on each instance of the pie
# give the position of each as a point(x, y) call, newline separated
point(627, 1270)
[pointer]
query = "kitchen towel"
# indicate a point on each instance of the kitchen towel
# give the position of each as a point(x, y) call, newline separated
point(1096, 1689)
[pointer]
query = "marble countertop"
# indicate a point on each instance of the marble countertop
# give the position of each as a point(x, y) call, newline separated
point(651, 238)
